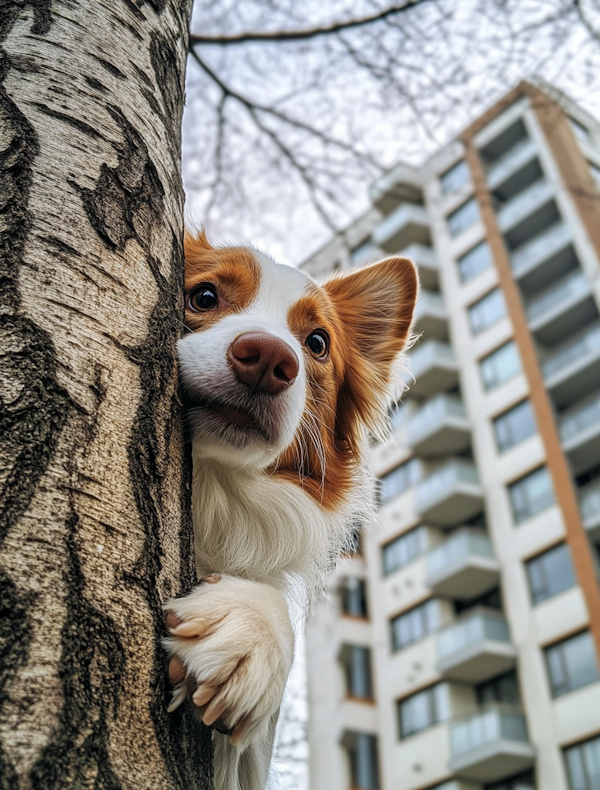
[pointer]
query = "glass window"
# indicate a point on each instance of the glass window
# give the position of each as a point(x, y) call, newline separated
point(402, 550)
point(550, 573)
point(464, 216)
point(572, 664)
point(515, 425)
point(354, 596)
point(361, 749)
point(424, 709)
point(500, 366)
point(524, 781)
point(487, 311)
point(531, 494)
point(399, 480)
point(580, 130)
point(415, 624)
point(583, 765)
point(475, 261)
point(455, 178)
point(356, 661)
point(503, 688)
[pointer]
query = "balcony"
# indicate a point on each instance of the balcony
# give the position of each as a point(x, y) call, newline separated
point(562, 309)
point(464, 566)
point(527, 214)
point(490, 745)
point(475, 648)
point(366, 253)
point(450, 495)
point(434, 368)
point(589, 505)
point(572, 371)
point(508, 166)
point(579, 429)
point(426, 262)
point(544, 258)
point(408, 224)
point(401, 184)
point(431, 316)
point(440, 427)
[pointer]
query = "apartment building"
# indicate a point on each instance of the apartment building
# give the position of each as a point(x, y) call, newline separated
point(458, 648)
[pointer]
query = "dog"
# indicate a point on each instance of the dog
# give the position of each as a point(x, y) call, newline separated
point(283, 381)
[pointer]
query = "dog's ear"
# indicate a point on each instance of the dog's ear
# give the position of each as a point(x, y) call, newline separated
point(195, 245)
point(375, 306)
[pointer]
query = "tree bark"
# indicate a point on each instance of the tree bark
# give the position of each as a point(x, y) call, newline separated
point(95, 529)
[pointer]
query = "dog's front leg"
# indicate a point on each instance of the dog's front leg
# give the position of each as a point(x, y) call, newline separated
point(232, 646)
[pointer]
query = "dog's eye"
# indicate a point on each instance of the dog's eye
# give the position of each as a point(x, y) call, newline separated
point(203, 298)
point(318, 344)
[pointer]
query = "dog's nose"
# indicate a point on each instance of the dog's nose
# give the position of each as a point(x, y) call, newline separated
point(263, 362)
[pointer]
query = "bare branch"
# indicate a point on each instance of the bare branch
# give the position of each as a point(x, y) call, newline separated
point(301, 35)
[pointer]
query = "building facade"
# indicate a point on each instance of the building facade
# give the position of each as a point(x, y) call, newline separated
point(459, 648)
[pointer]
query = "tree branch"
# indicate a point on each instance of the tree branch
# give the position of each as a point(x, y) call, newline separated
point(301, 35)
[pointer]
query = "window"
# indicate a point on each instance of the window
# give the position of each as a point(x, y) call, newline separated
point(583, 765)
point(399, 480)
point(550, 573)
point(524, 781)
point(487, 311)
point(402, 550)
point(423, 710)
point(455, 178)
point(572, 664)
point(415, 624)
point(500, 366)
point(357, 669)
point(361, 749)
point(503, 688)
point(595, 173)
point(475, 261)
point(531, 494)
point(514, 426)
point(580, 130)
point(464, 216)
point(354, 596)
point(354, 540)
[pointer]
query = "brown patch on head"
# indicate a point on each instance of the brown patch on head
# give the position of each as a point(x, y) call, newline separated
point(233, 271)
point(367, 315)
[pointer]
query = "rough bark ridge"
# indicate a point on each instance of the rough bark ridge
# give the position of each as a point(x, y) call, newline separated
point(94, 482)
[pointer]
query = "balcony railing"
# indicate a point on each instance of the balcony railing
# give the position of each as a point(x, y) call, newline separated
point(407, 224)
point(451, 494)
point(476, 627)
point(524, 204)
point(455, 553)
point(426, 261)
point(575, 284)
point(578, 420)
point(490, 744)
point(430, 304)
point(510, 162)
point(442, 481)
point(428, 354)
point(442, 414)
point(540, 249)
point(574, 351)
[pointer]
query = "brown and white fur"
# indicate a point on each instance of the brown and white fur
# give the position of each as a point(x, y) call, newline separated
point(278, 431)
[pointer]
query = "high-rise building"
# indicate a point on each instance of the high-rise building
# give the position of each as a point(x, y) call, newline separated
point(458, 649)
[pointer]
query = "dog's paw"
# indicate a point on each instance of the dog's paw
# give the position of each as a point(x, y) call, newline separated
point(231, 648)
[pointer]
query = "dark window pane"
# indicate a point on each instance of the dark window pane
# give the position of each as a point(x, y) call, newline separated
point(503, 688)
point(354, 596)
point(455, 178)
point(475, 261)
point(464, 216)
point(583, 765)
point(423, 710)
point(487, 311)
point(361, 749)
point(399, 480)
point(415, 624)
point(515, 425)
point(500, 366)
point(356, 661)
point(531, 494)
point(550, 573)
point(403, 550)
point(572, 664)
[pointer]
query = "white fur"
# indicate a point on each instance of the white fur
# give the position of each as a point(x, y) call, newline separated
point(266, 535)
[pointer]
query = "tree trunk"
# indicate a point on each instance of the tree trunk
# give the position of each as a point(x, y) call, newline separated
point(94, 513)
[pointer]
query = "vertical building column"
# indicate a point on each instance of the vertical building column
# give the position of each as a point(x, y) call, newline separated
point(556, 462)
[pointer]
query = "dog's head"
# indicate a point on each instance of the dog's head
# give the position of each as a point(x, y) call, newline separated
point(279, 372)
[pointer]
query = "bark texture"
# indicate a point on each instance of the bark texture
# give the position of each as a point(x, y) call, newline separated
point(95, 530)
